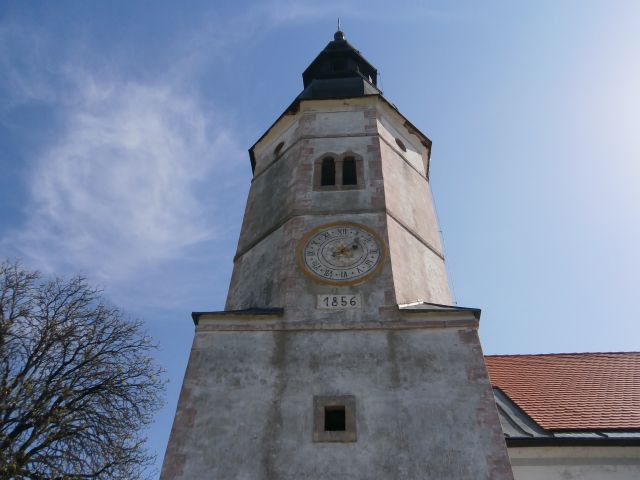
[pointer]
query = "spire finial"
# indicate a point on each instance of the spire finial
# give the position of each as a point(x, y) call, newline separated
point(339, 36)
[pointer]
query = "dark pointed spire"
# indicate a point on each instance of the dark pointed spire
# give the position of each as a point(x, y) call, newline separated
point(339, 71)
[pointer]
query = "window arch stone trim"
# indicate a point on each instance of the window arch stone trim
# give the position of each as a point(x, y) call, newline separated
point(338, 159)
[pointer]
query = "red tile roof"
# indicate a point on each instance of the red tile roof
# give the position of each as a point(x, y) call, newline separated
point(572, 391)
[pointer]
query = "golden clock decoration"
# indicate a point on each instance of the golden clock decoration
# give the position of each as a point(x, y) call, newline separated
point(341, 253)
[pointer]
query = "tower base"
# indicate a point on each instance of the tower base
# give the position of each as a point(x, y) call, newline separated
point(412, 394)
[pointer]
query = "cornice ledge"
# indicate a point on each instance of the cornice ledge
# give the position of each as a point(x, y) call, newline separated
point(420, 307)
point(260, 323)
point(246, 314)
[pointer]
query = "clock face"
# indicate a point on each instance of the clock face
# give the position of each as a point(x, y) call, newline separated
point(341, 253)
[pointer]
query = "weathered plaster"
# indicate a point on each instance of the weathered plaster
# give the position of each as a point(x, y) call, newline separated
point(395, 199)
point(423, 411)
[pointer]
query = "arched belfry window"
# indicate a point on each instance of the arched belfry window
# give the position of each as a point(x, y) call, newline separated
point(349, 173)
point(328, 174)
point(338, 172)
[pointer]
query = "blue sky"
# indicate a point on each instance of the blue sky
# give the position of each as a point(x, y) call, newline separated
point(124, 129)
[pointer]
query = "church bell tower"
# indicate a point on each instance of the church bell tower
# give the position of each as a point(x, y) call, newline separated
point(338, 354)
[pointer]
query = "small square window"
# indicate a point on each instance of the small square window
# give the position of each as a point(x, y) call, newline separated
point(334, 418)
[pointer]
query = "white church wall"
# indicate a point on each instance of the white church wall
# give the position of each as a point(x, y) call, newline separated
point(573, 463)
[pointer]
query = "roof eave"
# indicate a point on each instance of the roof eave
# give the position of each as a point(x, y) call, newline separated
point(572, 441)
point(347, 47)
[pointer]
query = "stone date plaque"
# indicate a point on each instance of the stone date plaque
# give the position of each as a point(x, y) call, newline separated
point(339, 302)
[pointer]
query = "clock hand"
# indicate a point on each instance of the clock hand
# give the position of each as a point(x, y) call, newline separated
point(343, 251)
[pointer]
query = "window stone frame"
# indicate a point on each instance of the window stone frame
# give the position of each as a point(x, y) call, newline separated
point(338, 160)
point(349, 434)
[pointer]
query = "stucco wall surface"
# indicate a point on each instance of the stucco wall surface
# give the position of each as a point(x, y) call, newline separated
point(389, 127)
point(424, 409)
point(268, 274)
point(419, 274)
point(408, 196)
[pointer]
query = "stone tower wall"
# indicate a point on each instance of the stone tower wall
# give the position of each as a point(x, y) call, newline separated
point(420, 403)
point(395, 200)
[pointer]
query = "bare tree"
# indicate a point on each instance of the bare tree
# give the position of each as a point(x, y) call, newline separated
point(77, 382)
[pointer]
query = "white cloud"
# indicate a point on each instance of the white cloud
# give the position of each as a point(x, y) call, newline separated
point(121, 190)
point(118, 190)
